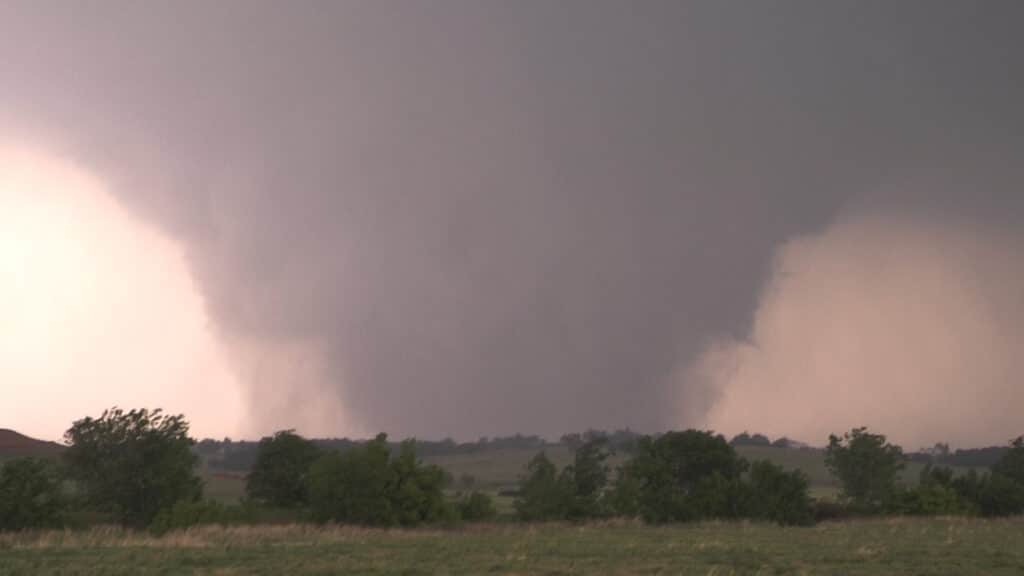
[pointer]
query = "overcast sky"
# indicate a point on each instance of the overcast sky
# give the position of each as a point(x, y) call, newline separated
point(474, 218)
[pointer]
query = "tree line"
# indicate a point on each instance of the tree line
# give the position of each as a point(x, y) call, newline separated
point(139, 468)
point(240, 456)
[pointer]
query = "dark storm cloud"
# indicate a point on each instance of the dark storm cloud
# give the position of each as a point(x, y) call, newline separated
point(487, 217)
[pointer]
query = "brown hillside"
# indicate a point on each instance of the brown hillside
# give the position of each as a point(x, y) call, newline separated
point(15, 445)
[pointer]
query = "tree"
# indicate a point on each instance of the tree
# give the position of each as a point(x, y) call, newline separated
point(588, 476)
point(417, 493)
point(30, 495)
point(934, 495)
point(624, 497)
point(132, 464)
point(571, 441)
point(577, 493)
point(783, 443)
point(867, 467)
point(939, 452)
point(747, 439)
point(1011, 464)
point(282, 465)
point(778, 495)
point(1000, 492)
point(353, 486)
point(543, 494)
point(686, 475)
point(477, 507)
point(364, 485)
point(1000, 495)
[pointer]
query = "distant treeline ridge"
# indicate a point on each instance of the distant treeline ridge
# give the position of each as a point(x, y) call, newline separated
point(240, 455)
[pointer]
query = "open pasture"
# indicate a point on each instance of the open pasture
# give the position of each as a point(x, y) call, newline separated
point(883, 546)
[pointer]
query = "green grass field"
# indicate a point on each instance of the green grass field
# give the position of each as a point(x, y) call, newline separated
point(890, 546)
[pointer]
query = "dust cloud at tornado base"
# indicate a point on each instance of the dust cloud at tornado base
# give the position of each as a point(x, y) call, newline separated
point(905, 324)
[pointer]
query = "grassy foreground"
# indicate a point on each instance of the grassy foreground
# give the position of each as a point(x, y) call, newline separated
point(888, 546)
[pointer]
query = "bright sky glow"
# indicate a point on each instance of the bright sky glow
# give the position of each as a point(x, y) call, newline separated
point(97, 309)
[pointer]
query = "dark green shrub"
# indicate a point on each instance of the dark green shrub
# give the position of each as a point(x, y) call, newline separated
point(588, 477)
point(930, 500)
point(417, 493)
point(934, 495)
point(543, 493)
point(1000, 496)
point(778, 495)
point(1003, 493)
point(30, 495)
point(278, 476)
point(187, 514)
point(364, 485)
point(716, 496)
point(131, 465)
point(624, 497)
point(686, 476)
point(999, 493)
point(477, 507)
point(829, 510)
point(969, 487)
point(747, 439)
point(577, 493)
point(867, 467)
point(1011, 464)
point(353, 486)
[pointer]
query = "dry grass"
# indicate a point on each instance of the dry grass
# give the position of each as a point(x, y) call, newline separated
point(282, 534)
point(884, 546)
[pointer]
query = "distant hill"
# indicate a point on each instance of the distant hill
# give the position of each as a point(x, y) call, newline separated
point(15, 445)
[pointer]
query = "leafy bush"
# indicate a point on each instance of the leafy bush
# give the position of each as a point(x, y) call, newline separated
point(30, 495)
point(477, 507)
point(747, 439)
point(417, 490)
point(999, 493)
point(365, 486)
point(934, 495)
point(282, 465)
point(930, 500)
point(785, 443)
point(587, 477)
point(778, 495)
point(695, 475)
point(577, 493)
point(867, 466)
point(1000, 496)
point(353, 486)
point(1011, 464)
point(685, 476)
point(543, 493)
point(186, 514)
point(132, 464)
point(624, 497)
point(717, 496)
point(828, 510)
